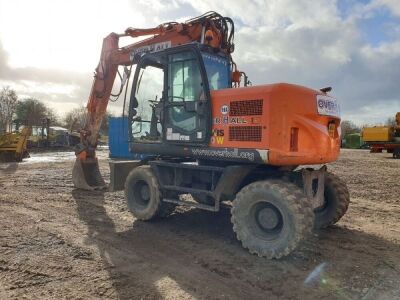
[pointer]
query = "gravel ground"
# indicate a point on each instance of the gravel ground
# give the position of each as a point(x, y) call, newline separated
point(57, 242)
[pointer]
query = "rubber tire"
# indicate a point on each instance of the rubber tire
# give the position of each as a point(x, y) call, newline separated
point(155, 207)
point(396, 153)
point(294, 206)
point(337, 200)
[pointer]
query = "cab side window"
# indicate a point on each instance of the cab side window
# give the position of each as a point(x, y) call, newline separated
point(184, 86)
point(147, 95)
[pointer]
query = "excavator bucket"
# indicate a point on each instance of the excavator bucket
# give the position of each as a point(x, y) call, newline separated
point(86, 175)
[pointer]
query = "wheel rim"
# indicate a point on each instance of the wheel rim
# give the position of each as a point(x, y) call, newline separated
point(142, 193)
point(266, 220)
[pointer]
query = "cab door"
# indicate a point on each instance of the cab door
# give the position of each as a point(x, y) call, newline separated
point(187, 116)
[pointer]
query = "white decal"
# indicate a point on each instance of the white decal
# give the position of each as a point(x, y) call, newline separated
point(328, 106)
point(235, 153)
point(151, 48)
point(224, 109)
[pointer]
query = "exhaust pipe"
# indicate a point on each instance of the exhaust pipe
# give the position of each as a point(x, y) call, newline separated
point(86, 174)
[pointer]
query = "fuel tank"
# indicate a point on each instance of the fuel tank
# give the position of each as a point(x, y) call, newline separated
point(288, 124)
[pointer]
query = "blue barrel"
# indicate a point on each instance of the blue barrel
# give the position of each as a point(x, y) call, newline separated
point(118, 139)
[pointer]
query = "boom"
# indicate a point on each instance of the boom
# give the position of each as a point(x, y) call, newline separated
point(211, 29)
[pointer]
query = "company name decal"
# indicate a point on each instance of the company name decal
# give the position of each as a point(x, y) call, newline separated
point(229, 120)
point(328, 106)
point(224, 153)
point(152, 48)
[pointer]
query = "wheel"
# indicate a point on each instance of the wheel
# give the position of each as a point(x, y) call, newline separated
point(271, 217)
point(336, 202)
point(143, 195)
point(396, 153)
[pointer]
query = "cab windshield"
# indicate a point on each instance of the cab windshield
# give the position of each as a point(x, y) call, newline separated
point(217, 69)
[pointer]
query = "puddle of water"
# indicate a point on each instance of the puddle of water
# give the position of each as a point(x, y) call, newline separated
point(44, 157)
point(48, 157)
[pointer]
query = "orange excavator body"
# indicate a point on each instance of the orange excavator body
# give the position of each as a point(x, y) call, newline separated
point(281, 121)
point(283, 124)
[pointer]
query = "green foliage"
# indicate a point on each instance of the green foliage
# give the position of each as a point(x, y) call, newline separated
point(31, 111)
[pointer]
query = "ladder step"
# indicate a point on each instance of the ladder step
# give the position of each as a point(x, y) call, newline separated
point(191, 204)
point(187, 190)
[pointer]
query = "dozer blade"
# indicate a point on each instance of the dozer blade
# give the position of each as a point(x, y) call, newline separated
point(86, 175)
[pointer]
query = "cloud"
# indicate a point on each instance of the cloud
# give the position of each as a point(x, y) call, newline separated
point(314, 43)
point(392, 5)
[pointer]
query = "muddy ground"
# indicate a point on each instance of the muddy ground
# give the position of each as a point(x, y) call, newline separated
point(57, 242)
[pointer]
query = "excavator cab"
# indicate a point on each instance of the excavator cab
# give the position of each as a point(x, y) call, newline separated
point(170, 104)
point(171, 93)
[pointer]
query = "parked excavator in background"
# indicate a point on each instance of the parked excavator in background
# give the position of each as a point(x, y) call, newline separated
point(380, 138)
point(13, 144)
point(205, 136)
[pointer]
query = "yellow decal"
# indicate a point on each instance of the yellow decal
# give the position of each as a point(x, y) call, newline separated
point(220, 140)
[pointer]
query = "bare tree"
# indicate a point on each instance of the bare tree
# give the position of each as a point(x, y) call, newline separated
point(74, 120)
point(8, 105)
point(391, 122)
point(349, 127)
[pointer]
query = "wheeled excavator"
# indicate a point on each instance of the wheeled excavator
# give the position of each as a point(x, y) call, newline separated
point(207, 135)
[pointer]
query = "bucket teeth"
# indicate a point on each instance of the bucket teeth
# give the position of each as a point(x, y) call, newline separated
point(86, 175)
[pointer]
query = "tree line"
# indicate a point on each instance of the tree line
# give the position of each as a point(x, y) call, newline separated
point(31, 112)
point(349, 127)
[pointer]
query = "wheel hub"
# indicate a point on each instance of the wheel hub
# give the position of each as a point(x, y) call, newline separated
point(268, 218)
point(145, 193)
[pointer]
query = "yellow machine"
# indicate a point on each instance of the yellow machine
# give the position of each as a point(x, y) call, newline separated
point(13, 145)
point(378, 134)
point(384, 138)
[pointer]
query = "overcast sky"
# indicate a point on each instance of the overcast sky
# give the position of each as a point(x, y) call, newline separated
point(49, 49)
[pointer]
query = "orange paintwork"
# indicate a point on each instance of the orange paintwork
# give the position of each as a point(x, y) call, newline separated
point(285, 106)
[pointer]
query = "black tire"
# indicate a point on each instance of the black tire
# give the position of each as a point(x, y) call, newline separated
point(336, 202)
point(396, 153)
point(271, 217)
point(143, 195)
